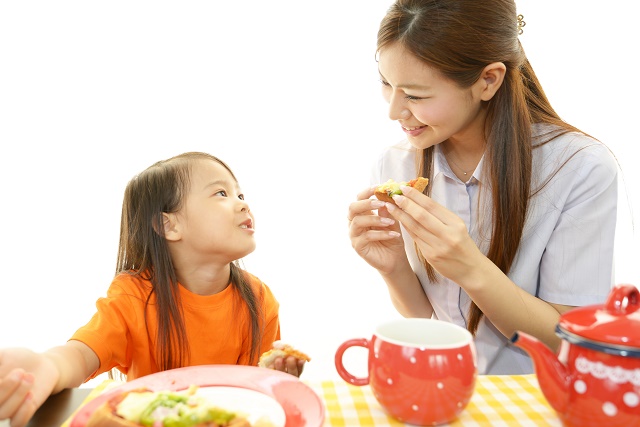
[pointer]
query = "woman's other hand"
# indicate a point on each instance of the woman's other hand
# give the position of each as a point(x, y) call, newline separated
point(375, 237)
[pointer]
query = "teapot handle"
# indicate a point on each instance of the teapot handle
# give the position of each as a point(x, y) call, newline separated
point(623, 300)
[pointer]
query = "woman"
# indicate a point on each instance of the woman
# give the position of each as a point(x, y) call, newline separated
point(517, 223)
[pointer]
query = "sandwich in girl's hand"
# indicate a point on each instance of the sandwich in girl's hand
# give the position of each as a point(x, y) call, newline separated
point(386, 191)
point(280, 349)
point(143, 407)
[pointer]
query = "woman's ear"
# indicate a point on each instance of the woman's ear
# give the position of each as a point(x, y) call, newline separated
point(491, 79)
point(170, 227)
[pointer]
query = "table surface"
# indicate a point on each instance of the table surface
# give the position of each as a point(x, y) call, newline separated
point(498, 400)
point(59, 407)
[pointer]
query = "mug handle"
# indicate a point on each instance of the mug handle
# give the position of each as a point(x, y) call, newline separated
point(359, 342)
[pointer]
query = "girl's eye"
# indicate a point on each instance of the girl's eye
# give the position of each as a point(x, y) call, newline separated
point(221, 192)
point(241, 196)
point(412, 98)
point(384, 83)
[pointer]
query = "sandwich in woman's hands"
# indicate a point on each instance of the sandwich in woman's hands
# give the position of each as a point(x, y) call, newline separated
point(280, 349)
point(386, 191)
point(143, 407)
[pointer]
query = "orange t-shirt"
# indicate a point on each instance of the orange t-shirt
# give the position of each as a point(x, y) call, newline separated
point(217, 327)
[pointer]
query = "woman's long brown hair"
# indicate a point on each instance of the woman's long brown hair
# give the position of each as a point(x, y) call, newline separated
point(459, 38)
point(143, 251)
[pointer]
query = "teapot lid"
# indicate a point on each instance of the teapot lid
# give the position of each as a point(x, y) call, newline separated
point(616, 323)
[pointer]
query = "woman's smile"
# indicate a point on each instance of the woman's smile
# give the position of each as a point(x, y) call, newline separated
point(414, 130)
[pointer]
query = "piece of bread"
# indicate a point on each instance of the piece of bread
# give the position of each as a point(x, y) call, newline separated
point(124, 410)
point(280, 349)
point(390, 188)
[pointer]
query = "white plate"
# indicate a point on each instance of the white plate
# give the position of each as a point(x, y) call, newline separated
point(252, 404)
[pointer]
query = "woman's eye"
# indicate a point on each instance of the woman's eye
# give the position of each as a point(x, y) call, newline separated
point(221, 192)
point(384, 83)
point(412, 98)
point(241, 196)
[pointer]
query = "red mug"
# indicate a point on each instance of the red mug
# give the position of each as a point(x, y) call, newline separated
point(421, 371)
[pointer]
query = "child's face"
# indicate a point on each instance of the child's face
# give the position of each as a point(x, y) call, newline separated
point(429, 107)
point(215, 221)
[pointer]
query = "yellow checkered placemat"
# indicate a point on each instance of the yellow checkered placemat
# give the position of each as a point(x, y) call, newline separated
point(498, 400)
point(505, 400)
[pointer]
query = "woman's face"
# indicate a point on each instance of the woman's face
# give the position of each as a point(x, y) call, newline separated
point(429, 107)
point(215, 221)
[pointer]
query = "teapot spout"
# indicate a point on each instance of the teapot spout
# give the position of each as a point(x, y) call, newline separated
point(552, 375)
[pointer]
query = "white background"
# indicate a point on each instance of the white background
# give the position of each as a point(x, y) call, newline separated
point(287, 93)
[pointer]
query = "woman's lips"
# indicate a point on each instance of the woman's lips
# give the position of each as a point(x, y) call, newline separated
point(415, 130)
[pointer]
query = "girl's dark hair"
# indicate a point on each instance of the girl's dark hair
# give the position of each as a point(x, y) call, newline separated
point(459, 38)
point(143, 252)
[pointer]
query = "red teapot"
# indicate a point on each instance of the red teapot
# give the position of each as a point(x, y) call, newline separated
point(594, 380)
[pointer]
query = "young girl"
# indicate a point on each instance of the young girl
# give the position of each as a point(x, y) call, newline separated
point(179, 297)
point(517, 223)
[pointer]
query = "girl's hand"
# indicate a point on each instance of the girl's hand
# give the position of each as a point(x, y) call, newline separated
point(290, 365)
point(26, 381)
point(375, 237)
point(284, 357)
point(440, 235)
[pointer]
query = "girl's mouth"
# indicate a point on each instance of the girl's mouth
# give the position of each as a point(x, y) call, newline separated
point(248, 224)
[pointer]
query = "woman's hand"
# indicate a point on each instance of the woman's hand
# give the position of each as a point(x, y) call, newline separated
point(26, 381)
point(440, 235)
point(375, 237)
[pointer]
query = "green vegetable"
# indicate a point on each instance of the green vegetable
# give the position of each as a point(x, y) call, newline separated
point(186, 412)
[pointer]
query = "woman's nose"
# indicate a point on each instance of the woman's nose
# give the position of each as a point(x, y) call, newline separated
point(397, 108)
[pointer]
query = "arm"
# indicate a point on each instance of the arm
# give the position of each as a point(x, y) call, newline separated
point(74, 361)
point(406, 292)
point(27, 378)
point(444, 241)
point(377, 239)
point(509, 307)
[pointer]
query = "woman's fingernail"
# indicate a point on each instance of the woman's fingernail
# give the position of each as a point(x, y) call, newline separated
point(398, 198)
point(375, 204)
point(385, 220)
point(394, 234)
point(28, 378)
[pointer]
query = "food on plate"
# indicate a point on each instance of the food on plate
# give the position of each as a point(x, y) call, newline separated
point(386, 191)
point(143, 407)
point(280, 349)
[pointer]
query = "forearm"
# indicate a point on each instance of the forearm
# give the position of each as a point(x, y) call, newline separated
point(74, 361)
point(509, 307)
point(407, 294)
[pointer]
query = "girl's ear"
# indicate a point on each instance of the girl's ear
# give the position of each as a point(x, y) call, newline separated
point(170, 227)
point(491, 79)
